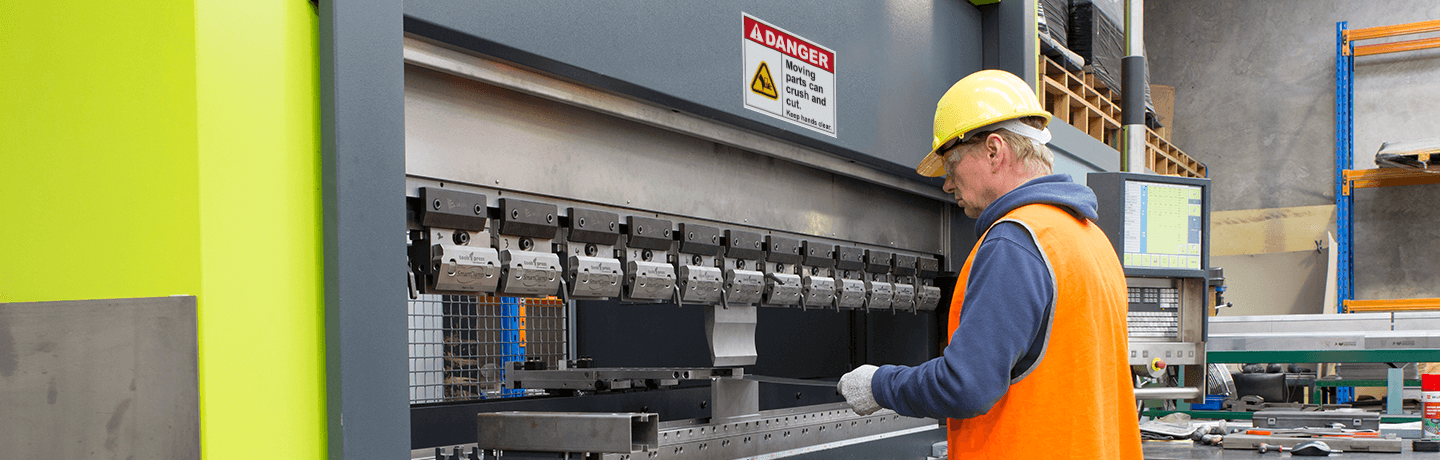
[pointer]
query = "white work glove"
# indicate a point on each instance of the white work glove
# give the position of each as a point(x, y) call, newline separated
point(855, 386)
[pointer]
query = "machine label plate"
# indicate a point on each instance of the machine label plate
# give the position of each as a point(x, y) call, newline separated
point(800, 72)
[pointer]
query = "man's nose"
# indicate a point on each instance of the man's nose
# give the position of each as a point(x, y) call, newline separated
point(949, 186)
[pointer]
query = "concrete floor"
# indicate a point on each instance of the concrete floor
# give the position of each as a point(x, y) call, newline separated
point(1254, 100)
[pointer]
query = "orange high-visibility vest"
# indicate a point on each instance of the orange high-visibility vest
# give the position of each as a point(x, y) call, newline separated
point(1079, 401)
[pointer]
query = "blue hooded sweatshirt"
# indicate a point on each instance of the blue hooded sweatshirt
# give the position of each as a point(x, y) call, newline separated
point(1005, 319)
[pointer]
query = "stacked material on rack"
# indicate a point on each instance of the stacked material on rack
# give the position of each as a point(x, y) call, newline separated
point(1054, 20)
point(1417, 154)
point(1096, 35)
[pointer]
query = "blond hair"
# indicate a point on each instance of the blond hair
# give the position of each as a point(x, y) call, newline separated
point(1035, 155)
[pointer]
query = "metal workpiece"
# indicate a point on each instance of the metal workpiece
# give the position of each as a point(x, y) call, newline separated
point(1350, 445)
point(610, 378)
point(743, 287)
point(646, 280)
point(730, 331)
point(529, 273)
point(621, 433)
point(927, 298)
point(851, 293)
point(450, 261)
point(700, 284)
point(593, 277)
point(454, 209)
point(734, 399)
point(772, 433)
point(818, 291)
point(1167, 393)
point(528, 219)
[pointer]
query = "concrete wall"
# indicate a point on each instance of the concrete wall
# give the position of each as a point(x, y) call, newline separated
point(1254, 100)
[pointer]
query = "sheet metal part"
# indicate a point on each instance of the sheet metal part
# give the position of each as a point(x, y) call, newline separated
point(776, 432)
point(568, 432)
point(1348, 445)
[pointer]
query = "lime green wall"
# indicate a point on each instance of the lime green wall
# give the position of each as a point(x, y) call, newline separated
point(159, 147)
point(98, 172)
point(261, 323)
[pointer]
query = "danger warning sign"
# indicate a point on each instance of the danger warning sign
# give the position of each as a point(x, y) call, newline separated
point(788, 77)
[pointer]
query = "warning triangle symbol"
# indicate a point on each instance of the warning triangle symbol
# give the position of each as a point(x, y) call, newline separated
point(762, 84)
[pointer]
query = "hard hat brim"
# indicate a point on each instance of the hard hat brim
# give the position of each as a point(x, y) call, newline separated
point(932, 166)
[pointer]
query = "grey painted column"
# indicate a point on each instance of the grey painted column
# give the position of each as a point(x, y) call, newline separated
point(363, 181)
point(1011, 39)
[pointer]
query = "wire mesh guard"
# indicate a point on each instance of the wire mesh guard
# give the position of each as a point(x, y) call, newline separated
point(459, 344)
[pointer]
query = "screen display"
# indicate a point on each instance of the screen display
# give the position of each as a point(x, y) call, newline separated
point(1163, 225)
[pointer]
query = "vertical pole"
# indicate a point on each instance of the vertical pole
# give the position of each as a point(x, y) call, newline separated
point(1133, 84)
point(1344, 220)
point(1343, 160)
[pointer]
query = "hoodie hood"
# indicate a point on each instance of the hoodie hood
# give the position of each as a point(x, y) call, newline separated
point(1055, 189)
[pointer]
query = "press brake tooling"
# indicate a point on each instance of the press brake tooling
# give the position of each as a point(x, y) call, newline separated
point(529, 267)
point(782, 279)
point(878, 288)
point(849, 266)
point(696, 267)
point(649, 276)
point(744, 282)
point(451, 253)
point(591, 269)
point(817, 278)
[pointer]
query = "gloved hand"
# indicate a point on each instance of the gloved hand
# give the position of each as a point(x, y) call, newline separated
point(855, 386)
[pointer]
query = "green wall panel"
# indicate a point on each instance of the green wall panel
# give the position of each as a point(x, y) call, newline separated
point(151, 148)
point(261, 317)
point(98, 184)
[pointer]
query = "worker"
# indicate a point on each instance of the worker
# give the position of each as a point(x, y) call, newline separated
point(1036, 364)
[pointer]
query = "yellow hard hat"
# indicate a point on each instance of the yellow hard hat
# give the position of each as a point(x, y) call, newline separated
point(976, 101)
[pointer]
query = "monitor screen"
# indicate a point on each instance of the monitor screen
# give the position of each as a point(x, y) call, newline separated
point(1163, 225)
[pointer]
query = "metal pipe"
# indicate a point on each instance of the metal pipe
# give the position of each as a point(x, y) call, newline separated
point(1167, 393)
point(1133, 86)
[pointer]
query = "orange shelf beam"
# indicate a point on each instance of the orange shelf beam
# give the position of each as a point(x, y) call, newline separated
point(1396, 47)
point(1393, 31)
point(1352, 36)
point(1356, 306)
point(1387, 177)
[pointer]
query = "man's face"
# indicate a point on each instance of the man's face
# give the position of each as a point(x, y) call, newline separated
point(965, 171)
